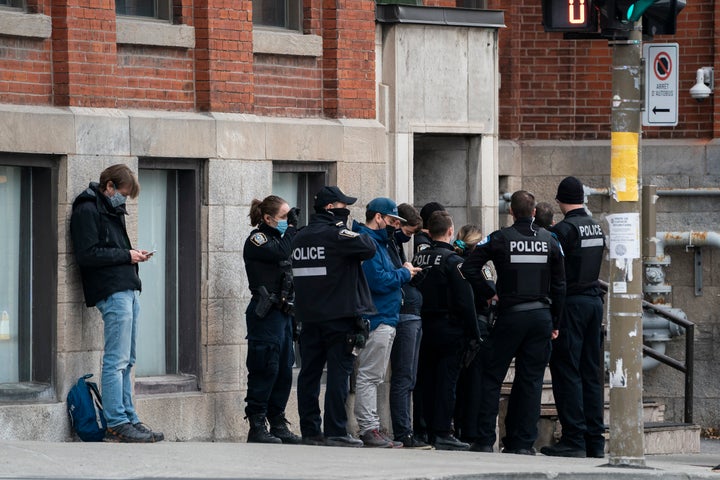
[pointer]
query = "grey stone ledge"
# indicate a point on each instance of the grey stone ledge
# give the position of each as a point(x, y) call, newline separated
point(21, 24)
point(133, 31)
point(286, 43)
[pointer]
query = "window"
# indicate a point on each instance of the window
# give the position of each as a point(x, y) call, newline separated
point(12, 3)
point(298, 183)
point(28, 279)
point(278, 13)
point(169, 222)
point(160, 9)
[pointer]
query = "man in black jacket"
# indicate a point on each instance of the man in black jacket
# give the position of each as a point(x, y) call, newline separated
point(531, 291)
point(449, 323)
point(575, 362)
point(109, 270)
point(331, 295)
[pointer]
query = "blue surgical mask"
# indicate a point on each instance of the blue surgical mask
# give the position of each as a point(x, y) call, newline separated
point(117, 199)
point(282, 226)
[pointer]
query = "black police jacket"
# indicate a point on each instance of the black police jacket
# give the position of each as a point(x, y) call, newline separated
point(267, 260)
point(529, 265)
point(583, 242)
point(421, 241)
point(102, 247)
point(448, 301)
point(326, 261)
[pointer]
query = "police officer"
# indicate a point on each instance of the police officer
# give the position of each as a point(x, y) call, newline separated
point(422, 239)
point(449, 323)
point(531, 290)
point(331, 296)
point(575, 363)
point(269, 319)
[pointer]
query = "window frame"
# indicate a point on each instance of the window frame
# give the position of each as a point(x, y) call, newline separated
point(326, 172)
point(186, 375)
point(37, 381)
point(162, 11)
point(289, 23)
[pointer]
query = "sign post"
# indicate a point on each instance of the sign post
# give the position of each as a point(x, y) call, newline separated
point(661, 84)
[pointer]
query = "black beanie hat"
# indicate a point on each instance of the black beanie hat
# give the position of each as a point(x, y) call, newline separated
point(428, 209)
point(570, 191)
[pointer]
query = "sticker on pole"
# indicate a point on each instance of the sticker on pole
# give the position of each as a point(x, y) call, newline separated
point(661, 84)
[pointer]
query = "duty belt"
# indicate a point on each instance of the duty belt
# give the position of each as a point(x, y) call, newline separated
point(524, 307)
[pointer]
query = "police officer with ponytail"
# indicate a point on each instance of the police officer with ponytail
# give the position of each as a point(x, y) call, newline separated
point(269, 319)
point(575, 363)
point(531, 294)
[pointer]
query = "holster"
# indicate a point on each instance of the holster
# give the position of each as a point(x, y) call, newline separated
point(265, 302)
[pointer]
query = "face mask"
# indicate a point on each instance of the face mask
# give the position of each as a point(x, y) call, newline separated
point(400, 237)
point(341, 213)
point(282, 226)
point(117, 199)
point(390, 231)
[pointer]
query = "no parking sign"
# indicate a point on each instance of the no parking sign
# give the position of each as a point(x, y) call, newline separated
point(661, 84)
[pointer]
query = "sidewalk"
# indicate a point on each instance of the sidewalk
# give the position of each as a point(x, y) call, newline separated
point(38, 460)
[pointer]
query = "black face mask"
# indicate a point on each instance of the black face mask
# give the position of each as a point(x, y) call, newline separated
point(341, 213)
point(390, 231)
point(400, 236)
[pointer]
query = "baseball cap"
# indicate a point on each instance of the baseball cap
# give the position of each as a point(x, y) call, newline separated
point(384, 206)
point(570, 191)
point(331, 195)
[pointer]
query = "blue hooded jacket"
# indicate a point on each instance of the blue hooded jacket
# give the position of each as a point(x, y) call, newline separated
point(384, 278)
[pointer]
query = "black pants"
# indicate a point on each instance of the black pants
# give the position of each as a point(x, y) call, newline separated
point(439, 362)
point(576, 373)
point(525, 336)
point(269, 362)
point(468, 391)
point(322, 343)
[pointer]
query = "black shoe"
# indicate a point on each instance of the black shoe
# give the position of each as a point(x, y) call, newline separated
point(560, 450)
point(411, 441)
point(156, 436)
point(520, 451)
point(279, 428)
point(258, 430)
point(449, 442)
point(313, 440)
point(478, 447)
point(126, 433)
point(592, 453)
point(343, 441)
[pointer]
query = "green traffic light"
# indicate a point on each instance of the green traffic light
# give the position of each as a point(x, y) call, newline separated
point(636, 10)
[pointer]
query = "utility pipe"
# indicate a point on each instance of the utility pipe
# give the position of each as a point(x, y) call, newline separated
point(688, 239)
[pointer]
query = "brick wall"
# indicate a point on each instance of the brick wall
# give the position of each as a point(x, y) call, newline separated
point(25, 73)
point(560, 89)
point(348, 29)
point(287, 86)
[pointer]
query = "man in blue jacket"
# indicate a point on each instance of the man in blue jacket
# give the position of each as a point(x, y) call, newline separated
point(385, 281)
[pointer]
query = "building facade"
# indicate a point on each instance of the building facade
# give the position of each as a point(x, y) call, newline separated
point(216, 102)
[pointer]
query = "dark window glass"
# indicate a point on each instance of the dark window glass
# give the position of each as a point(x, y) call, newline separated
point(278, 13)
point(159, 9)
point(28, 279)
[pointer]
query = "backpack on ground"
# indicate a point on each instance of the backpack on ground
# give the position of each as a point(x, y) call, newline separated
point(84, 406)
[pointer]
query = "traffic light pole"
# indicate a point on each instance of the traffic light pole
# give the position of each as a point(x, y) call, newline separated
point(626, 445)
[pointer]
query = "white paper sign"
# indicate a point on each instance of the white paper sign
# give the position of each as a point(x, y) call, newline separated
point(624, 235)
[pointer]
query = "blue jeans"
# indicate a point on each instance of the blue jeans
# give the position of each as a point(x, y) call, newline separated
point(120, 315)
point(403, 361)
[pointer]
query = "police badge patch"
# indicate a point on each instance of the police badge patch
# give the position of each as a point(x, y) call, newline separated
point(487, 272)
point(348, 233)
point(422, 247)
point(259, 239)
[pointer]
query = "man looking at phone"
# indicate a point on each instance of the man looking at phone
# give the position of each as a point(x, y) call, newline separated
point(109, 270)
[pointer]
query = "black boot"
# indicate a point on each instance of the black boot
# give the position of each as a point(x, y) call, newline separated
point(279, 428)
point(258, 430)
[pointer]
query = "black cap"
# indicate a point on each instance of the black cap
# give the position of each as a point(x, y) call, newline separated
point(428, 209)
point(570, 191)
point(331, 195)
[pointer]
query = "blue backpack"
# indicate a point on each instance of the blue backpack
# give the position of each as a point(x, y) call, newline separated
point(84, 406)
